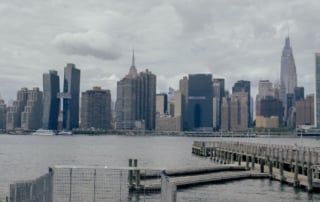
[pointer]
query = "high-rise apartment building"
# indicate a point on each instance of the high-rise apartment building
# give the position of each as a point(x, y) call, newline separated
point(218, 94)
point(148, 102)
point(298, 93)
point(96, 109)
point(31, 116)
point(26, 112)
point(51, 102)
point(269, 107)
point(3, 114)
point(14, 112)
point(234, 112)
point(136, 100)
point(265, 89)
point(244, 86)
point(71, 96)
point(288, 75)
point(183, 88)
point(317, 100)
point(305, 111)
point(162, 103)
point(200, 102)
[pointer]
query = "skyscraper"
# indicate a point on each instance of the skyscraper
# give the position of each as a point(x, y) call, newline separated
point(71, 91)
point(288, 75)
point(148, 101)
point(218, 94)
point(136, 99)
point(305, 111)
point(183, 88)
point(200, 102)
point(96, 108)
point(162, 103)
point(51, 102)
point(14, 112)
point(3, 113)
point(317, 100)
point(244, 86)
point(31, 116)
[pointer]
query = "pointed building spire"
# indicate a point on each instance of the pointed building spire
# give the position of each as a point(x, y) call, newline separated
point(133, 59)
point(133, 71)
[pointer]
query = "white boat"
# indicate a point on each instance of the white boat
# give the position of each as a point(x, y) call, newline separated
point(44, 132)
point(65, 132)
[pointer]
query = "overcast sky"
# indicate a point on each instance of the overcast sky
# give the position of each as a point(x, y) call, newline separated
point(232, 39)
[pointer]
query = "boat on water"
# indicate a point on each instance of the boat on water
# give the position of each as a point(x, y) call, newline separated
point(44, 132)
point(64, 132)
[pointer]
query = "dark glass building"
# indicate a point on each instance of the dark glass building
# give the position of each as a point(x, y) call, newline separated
point(298, 93)
point(96, 109)
point(71, 91)
point(200, 102)
point(51, 102)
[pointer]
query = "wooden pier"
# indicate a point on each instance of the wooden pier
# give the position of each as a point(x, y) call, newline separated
point(145, 180)
point(297, 166)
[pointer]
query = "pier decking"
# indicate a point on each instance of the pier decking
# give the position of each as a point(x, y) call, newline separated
point(195, 176)
point(297, 166)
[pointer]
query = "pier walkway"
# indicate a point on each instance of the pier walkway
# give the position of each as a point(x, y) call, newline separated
point(297, 166)
point(187, 177)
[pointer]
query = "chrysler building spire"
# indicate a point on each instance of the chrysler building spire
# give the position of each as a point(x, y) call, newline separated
point(133, 71)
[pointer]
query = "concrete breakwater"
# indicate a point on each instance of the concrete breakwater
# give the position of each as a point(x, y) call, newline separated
point(297, 166)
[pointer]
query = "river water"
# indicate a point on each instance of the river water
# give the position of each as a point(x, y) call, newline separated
point(27, 157)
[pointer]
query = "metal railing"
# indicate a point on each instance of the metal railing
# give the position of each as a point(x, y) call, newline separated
point(95, 184)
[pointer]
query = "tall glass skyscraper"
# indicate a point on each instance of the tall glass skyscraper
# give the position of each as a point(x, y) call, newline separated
point(200, 102)
point(317, 101)
point(51, 103)
point(71, 92)
point(288, 75)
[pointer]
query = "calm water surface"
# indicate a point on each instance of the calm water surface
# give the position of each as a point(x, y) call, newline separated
point(27, 157)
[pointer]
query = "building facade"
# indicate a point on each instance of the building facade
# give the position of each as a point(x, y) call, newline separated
point(183, 88)
point(71, 96)
point(14, 112)
point(288, 75)
point(96, 109)
point(200, 102)
point(218, 94)
point(244, 86)
point(51, 102)
point(136, 100)
point(305, 111)
point(3, 114)
point(317, 101)
point(162, 103)
point(31, 116)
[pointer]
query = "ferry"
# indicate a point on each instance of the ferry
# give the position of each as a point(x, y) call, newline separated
point(44, 132)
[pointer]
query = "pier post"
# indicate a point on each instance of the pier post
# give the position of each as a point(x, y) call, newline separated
point(137, 173)
point(310, 187)
point(252, 160)
point(262, 165)
point(296, 169)
point(247, 161)
point(130, 176)
point(239, 159)
point(282, 178)
point(270, 166)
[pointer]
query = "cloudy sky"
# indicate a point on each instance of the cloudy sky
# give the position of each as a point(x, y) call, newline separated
point(231, 39)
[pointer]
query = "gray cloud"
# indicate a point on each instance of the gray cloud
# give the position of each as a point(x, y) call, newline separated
point(231, 39)
point(90, 43)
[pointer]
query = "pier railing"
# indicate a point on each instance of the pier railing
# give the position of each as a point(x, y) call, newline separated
point(292, 164)
point(87, 184)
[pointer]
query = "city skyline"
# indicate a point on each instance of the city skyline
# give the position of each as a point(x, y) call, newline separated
point(190, 37)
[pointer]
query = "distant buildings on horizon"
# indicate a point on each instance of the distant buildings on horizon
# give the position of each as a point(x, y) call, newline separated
point(200, 104)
